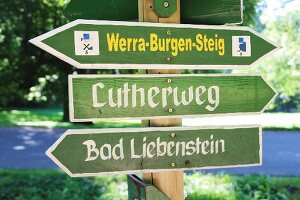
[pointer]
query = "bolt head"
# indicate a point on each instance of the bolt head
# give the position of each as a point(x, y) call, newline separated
point(168, 59)
point(166, 4)
point(173, 164)
point(169, 80)
point(173, 135)
point(170, 110)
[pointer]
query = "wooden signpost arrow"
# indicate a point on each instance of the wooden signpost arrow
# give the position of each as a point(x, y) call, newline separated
point(92, 44)
point(110, 151)
point(103, 97)
point(192, 11)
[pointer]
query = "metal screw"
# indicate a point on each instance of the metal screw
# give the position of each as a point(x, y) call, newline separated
point(173, 135)
point(169, 80)
point(170, 110)
point(173, 164)
point(166, 4)
point(168, 59)
point(168, 32)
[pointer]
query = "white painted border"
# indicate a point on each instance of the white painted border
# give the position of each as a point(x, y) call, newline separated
point(38, 42)
point(143, 130)
point(242, 11)
point(71, 102)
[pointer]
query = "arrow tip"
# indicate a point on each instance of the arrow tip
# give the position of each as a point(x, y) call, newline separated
point(31, 41)
point(35, 41)
point(275, 93)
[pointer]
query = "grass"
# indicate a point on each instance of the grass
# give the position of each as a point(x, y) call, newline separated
point(51, 118)
point(281, 128)
point(50, 184)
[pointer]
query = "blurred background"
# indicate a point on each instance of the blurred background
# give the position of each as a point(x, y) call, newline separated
point(34, 112)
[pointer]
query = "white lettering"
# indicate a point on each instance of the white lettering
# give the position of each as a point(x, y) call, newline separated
point(91, 149)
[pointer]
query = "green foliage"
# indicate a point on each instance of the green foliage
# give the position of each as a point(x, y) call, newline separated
point(228, 187)
point(36, 185)
point(53, 185)
point(283, 69)
point(209, 187)
point(252, 12)
point(264, 187)
point(21, 63)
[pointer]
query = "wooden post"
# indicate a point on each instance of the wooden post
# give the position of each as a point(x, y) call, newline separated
point(170, 183)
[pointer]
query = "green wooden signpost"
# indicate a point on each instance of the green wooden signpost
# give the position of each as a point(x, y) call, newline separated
point(192, 11)
point(89, 43)
point(103, 97)
point(110, 44)
point(109, 151)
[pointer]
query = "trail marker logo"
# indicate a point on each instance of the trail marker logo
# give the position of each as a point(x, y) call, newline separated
point(241, 46)
point(86, 43)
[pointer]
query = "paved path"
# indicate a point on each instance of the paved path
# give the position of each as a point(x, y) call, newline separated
point(24, 148)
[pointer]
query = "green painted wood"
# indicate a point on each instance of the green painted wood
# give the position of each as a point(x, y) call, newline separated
point(219, 94)
point(211, 11)
point(105, 151)
point(102, 10)
point(151, 45)
point(192, 11)
point(164, 8)
point(138, 190)
point(152, 193)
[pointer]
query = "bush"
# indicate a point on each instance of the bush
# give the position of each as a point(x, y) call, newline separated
point(222, 186)
point(51, 185)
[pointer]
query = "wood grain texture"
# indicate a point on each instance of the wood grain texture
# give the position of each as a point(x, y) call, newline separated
point(170, 183)
point(148, 13)
point(212, 11)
